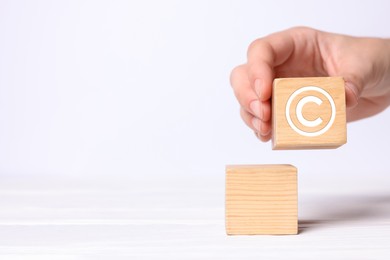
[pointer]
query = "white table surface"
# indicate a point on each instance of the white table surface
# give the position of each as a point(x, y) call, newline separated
point(49, 218)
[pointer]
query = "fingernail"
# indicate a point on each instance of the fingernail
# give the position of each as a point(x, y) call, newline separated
point(258, 83)
point(263, 130)
point(256, 124)
point(256, 109)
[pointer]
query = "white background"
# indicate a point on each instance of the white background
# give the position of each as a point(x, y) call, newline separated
point(123, 91)
point(126, 88)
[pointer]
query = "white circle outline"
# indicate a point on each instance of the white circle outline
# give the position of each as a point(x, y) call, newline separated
point(316, 89)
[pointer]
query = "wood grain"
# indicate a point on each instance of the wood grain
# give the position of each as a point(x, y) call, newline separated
point(285, 137)
point(182, 217)
point(261, 199)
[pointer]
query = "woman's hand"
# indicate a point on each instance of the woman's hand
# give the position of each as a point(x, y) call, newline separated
point(364, 63)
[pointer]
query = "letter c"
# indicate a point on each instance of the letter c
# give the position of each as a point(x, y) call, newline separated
point(301, 119)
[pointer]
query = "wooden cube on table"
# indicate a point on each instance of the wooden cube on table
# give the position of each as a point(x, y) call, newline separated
point(308, 113)
point(261, 199)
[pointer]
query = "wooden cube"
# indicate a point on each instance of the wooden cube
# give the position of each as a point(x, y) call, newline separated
point(308, 113)
point(261, 200)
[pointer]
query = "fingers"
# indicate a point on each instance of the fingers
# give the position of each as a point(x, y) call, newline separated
point(247, 97)
point(273, 49)
point(244, 93)
point(264, 55)
point(255, 113)
point(261, 76)
point(252, 82)
point(265, 138)
point(261, 128)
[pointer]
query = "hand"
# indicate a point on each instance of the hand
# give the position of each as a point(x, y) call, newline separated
point(364, 63)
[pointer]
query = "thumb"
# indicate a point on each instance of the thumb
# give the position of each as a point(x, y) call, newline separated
point(352, 94)
point(353, 88)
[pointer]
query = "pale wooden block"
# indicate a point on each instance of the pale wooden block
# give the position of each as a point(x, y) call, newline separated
point(261, 200)
point(308, 113)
